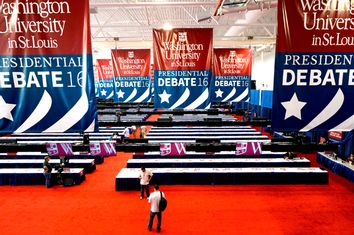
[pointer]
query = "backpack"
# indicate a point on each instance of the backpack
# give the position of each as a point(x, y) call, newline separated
point(163, 203)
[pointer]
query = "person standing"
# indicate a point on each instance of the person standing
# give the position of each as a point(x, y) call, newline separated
point(126, 134)
point(145, 177)
point(47, 171)
point(142, 131)
point(154, 200)
point(134, 131)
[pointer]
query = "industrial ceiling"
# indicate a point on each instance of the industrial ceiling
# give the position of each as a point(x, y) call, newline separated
point(235, 23)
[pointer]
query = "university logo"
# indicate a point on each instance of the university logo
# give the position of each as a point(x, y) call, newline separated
point(95, 149)
point(173, 149)
point(249, 148)
point(182, 36)
point(232, 53)
point(130, 54)
point(103, 149)
point(59, 149)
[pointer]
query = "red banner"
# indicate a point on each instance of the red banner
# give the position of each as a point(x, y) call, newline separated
point(337, 135)
point(315, 26)
point(183, 49)
point(105, 69)
point(249, 148)
point(173, 149)
point(232, 62)
point(131, 62)
point(59, 149)
point(45, 25)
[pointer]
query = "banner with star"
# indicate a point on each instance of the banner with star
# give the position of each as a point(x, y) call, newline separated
point(232, 69)
point(182, 68)
point(131, 69)
point(314, 66)
point(46, 69)
point(105, 79)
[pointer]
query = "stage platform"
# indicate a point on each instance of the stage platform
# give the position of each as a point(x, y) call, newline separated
point(39, 155)
point(217, 162)
point(87, 164)
point(222, 154)
point(34, 176)
point(338, 166)
point(127, 178)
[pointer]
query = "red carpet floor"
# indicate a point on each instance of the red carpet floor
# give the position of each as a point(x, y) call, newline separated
point(95, 207)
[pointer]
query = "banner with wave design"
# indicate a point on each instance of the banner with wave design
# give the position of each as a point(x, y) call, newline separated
point(46, 71)
point(182, 68)
point(97, 80)
point(105, 79)
point(132, 81)
point(314, 66)
point(232, 69)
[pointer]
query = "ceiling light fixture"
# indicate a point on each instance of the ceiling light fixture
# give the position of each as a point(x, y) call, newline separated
point(167, 26)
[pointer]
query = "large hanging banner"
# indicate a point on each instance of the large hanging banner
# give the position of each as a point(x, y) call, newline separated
point(232, 69)
point(314, 70)
point(131, 69)
point(105, 79)
point(182, 62)
point(46, 71)
point(97, 80)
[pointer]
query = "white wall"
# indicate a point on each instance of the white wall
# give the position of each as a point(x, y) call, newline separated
point(263, 70)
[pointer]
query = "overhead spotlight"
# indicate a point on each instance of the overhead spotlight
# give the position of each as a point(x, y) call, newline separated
point(249, 37)
point(116, 39)
point(167, 26)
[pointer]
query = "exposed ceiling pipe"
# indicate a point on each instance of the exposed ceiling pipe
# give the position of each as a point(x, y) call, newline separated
point(183, 26)
point(251, 7)
point(218, 8)
point(147, 4)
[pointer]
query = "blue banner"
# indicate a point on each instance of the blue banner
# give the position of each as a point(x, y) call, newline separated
point(52, 96)
point(230, 88)
point(314, 97)
point(182, 89)
point(132, 89)
point(106, 89)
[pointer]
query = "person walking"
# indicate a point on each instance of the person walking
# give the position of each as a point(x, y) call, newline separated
point(47, 171)
point(145, 177)
point(154, 200)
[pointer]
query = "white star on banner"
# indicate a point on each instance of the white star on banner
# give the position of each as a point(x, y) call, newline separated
point(293, 107)
point(120, 93)
point(164, 97)
point(103, 92)
point(219, 93)
point(5, 109)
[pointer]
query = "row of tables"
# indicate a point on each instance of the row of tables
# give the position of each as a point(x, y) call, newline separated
point(216, 168)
